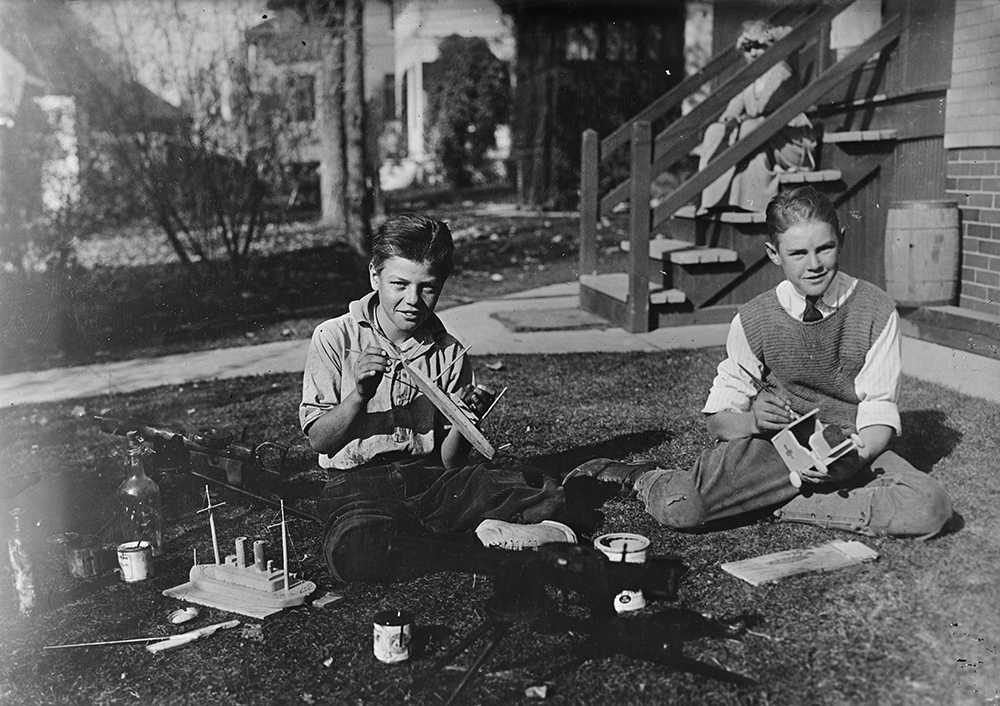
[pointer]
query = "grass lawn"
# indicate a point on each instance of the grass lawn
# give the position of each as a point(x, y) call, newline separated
point(919, 626)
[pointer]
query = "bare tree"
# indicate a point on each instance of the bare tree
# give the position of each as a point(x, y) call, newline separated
point(359, 203)
point(347, 199)
point(206, 182)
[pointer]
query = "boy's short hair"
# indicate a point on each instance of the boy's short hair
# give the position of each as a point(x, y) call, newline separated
point(412, 236)
point(799, 205)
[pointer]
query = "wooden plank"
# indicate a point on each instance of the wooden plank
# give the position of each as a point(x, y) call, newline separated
point(859, 136)
point(774, 567)
point(809, 177)
point(449, 409)
point(588, 201)
point(658, 247)
point(703, 256)
point(438, 397)
point(639, 195)
point(660, 297)
point(615, 285)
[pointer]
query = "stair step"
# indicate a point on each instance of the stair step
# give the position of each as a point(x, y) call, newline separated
point(703, 256)
point(658, 247)
point(688, 212)
point(820, 175)
point(860, 135)
point(615, 285)
point(681, 252)
point(810, 177)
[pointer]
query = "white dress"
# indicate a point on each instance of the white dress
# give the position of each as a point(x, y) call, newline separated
point(753, 182)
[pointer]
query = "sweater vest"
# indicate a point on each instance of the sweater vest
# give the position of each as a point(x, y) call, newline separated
point(815, 364)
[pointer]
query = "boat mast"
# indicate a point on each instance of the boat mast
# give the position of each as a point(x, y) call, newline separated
point(211, 523)
point(284, 545)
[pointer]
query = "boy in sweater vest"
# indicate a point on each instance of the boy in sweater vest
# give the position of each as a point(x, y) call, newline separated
point(822, 339)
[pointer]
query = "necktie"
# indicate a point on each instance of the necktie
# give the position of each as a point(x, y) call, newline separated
point(811, 313)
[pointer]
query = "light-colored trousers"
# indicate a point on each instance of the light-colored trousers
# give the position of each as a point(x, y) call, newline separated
point(888, 497)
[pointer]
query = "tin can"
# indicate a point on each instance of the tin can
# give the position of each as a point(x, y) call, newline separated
point(135, 560)
point(630, 549)
point(392, 633)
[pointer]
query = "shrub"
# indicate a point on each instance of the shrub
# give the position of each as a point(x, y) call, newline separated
point(469, 98)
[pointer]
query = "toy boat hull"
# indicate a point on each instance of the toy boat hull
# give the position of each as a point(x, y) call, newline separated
point(247, 591)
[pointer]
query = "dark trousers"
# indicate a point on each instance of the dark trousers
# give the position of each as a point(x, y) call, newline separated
point(366, 507)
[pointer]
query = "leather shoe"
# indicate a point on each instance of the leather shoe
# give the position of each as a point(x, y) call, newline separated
point(610, 471)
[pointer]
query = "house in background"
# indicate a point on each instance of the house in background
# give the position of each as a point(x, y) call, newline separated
point(57, 81)
point(284, 54)
point(585, 64)
point(419, 27)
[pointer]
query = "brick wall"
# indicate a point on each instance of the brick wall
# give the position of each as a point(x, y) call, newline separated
point(972, 138)
point(974, 93)
point(973, 179)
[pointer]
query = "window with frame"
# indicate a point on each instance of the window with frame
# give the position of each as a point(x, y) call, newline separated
point(583, 41)
point(304, 98)
point(621, 44)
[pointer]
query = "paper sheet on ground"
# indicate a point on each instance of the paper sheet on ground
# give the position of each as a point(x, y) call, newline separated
point(774, 567)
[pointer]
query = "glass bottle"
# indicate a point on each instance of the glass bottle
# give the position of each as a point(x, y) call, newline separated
point(20, 564)
point(139, 500)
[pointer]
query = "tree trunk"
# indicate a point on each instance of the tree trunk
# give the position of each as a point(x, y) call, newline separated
point(359, 204)
point(331, 105)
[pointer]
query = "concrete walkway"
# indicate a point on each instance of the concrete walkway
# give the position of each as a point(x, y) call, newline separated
point(967, 373)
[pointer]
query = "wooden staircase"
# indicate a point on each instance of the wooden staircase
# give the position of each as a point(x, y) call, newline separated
point(685, 269)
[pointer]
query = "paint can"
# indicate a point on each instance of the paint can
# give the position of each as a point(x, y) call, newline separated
point(392, 635)
point(86, 558)
point(135, 560)
point(630, 549)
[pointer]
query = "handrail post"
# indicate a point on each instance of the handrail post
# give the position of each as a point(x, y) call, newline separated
point(637, 305)
point(589, 166)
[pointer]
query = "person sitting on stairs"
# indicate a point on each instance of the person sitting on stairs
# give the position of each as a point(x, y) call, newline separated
point(752, 182)
point(822, 339)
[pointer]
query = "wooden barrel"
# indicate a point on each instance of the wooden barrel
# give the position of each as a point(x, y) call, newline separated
point(922, 252)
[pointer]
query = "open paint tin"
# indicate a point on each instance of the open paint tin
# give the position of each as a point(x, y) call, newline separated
point(630, 549)
point(623, 546)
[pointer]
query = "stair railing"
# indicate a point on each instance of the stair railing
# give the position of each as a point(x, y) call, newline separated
point(775, 122)
point(650, 158)
point(595, 151)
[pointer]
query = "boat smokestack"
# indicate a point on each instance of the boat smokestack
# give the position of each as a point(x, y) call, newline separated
point(241, 552)
point(258, 555)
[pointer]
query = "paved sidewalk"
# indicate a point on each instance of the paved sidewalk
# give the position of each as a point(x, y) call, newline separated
point(970, 374)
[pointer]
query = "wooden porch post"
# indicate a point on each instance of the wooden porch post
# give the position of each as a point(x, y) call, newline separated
point(637, 304)
point(588, 202)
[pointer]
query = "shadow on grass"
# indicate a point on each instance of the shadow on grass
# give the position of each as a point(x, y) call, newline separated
point(657, 638)
point(926, 438)
point(618, 447)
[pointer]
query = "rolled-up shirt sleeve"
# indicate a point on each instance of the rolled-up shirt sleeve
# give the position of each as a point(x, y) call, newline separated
point(877, 383)
point(731, 390)
point(321, 380)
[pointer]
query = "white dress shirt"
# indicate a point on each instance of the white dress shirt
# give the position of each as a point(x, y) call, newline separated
point(876, 385)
